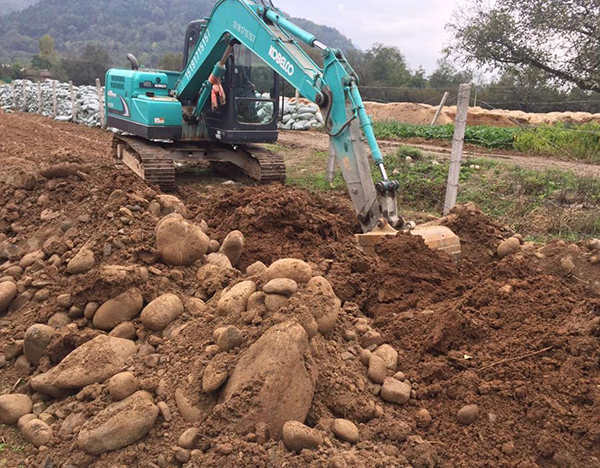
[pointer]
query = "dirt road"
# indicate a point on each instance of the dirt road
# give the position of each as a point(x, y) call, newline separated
point(318, 142)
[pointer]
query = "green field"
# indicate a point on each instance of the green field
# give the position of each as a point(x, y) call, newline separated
point(566, 142)
point(539, 204)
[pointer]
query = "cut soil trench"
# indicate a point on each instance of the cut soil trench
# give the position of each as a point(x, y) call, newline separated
point(517, 337)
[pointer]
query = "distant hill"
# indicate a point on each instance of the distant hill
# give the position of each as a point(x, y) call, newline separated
point(8, 6)
point(146, 28)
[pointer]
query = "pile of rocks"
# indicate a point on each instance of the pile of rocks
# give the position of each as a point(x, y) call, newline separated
point(181, 341)
point(27, 100)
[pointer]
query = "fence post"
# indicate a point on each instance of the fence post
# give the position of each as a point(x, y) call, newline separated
point(439, 111)
point(39, 97)
point(54, 103)
point(14, 94)
point(101, 101)
point(73, 103)
point(24, 106)
point(458, 142)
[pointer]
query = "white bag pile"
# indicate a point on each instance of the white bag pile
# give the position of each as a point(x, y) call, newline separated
point(295, 114)
point(299, 115)
point(86, 101)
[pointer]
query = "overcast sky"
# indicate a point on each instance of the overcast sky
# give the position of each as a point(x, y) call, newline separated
point(416, 27)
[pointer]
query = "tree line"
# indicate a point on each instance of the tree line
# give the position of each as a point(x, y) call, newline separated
point(515, 38)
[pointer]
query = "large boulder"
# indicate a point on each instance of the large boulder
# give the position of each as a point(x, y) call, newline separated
point(273, 382)
point(8, 291)
point(37, 338)
point(93, 362)
point(119, 309)
point(119, 425)
point(161, 312)
point(180, 242)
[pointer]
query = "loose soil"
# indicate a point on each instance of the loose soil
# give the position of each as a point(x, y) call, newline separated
point(518, 337)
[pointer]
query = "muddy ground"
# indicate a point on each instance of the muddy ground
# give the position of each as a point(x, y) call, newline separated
point(517, 337)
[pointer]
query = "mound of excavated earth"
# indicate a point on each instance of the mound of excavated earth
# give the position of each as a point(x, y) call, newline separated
point(242, 327)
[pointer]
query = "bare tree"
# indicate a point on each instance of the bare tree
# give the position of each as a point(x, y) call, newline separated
point(560, 37)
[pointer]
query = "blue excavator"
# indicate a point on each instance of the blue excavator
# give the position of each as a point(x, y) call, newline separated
point(227, 100)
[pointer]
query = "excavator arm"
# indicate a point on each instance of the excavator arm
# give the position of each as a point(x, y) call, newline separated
point(265, 31)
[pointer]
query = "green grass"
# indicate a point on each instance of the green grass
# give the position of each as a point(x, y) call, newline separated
point(538, 204)
point(568, 142)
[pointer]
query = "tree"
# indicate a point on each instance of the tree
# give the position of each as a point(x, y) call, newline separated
point(91, 64)
point(559, 37)
point(387, 66)
point(47, 51)
point(446, 75)
point(524, 89)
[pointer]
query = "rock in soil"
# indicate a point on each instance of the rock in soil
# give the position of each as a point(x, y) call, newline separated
point(395, 391)
point(468, 414)
point(94, 361)
point(12, 407)
point(215, 374)
point(37, 432)
point(122, 385)
point(8, 291)
point(180, 242)
point(234, 301)
point(282, 286)
point(233, 246)
point(161, 312)
point(82, 262)
point(291, 268)
point(119, 425)
point(345, 430)
point(37, 338)
point(272, 382)
point(189, 438)
point(298, 437)
point(122, 308)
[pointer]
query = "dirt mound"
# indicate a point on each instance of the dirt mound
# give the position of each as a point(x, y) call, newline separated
point(416, 276)
point(519, 344)
point(280, 222)
point(395, 345)
point(422, 114)
point(479, 234)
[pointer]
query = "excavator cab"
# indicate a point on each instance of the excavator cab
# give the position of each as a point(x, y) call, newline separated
point(252, 91)
point(251, 109)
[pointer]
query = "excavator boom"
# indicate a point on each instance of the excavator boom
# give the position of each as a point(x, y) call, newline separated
point(263, 29)
point(275, 40)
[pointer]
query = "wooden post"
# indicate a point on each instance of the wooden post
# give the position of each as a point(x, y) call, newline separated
point(475, 103)
point(297, 96)
point(39, 98)
point(73, 103)
point(101, 101)
point(14, 94)
point(24, 104)
point(458, 142)
point(439, 111)
point(331, 163)
point(54, 103)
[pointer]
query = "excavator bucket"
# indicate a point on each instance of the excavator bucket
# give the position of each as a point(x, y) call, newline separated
point(436, 237)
